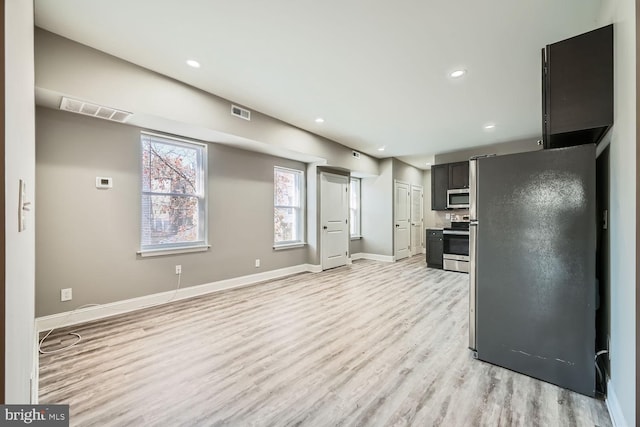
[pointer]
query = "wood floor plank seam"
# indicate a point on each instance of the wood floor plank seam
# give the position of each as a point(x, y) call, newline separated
point(369, 344)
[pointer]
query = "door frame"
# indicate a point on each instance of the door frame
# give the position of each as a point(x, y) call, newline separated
point(321, 215)
point(2, 215)
point(421, 247)
point(395, 249)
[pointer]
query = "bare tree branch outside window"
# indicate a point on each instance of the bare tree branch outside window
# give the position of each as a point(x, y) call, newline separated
point(173, 203)
point(287, 219)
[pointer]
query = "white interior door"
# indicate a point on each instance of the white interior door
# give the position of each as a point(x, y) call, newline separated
point(334, 219)
point(402, 227)
point(417, 234)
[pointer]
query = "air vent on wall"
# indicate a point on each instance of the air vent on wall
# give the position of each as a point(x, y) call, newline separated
point(240, 112)
point(355, 154)
point(94, 110)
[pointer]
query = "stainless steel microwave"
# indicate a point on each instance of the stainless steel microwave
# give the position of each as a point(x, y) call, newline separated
point(458, 199)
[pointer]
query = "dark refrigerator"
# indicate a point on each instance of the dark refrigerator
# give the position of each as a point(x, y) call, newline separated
point(533, 252)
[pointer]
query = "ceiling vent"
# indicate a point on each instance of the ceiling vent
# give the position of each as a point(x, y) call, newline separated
point(94, 110)
point(240, 112)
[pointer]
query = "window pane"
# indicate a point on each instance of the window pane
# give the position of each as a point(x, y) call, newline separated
point(170, 219)
point(169, 168)
point(173, 193)
point(286, 225)
point(354, 207)
point(286, 188)
point(354, 193)
point(287, 200)
point(352, 222)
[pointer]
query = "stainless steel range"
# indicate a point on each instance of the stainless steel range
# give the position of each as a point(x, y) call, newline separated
point(456, 247)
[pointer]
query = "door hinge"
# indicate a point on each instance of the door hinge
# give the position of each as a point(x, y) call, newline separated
point(346, 221)
point(346, 254)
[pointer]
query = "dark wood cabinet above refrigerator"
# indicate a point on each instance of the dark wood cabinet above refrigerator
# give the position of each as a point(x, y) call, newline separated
point(577, 89)
point(458, 175)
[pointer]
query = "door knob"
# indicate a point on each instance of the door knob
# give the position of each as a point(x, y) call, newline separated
point(324, 228)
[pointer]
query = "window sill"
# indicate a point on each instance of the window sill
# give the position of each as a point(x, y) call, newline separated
point(289, 246)
point(174, 251)
point(356, 237)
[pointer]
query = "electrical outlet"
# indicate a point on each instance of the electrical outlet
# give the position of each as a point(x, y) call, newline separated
point(178, 269)
point(257, 262)
point(65, 294)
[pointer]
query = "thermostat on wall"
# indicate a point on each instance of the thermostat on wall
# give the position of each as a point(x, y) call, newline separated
point(104, 182)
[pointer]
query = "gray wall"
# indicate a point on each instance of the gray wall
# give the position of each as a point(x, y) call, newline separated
point(377, 211)
point(161, 103)
point(429, 215)
point(623, 214)
point(87, 238)
point(355, 246)
point(405, 172)
point(19, 164)
point(511, 147)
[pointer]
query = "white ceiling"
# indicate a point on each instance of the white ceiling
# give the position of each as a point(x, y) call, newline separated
point(376, 71)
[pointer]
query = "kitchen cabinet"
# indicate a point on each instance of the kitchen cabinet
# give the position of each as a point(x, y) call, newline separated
point(458, 175)
point(434, 248)
point(447, 176)
point(439, 186)
point(577, 89)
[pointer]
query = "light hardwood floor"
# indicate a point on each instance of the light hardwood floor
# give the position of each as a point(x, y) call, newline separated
point(371, 344)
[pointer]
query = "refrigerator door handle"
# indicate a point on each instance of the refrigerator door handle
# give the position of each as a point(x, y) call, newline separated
point(473, 189)
point(473, 258)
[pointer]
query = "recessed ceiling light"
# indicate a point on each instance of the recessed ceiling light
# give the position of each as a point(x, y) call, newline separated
point(381, 149)
point(319, 120)
point(193, 63)
point(489, 126)
point(457, 73)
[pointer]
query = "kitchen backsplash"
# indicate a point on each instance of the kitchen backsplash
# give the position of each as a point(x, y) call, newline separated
point(443, 219)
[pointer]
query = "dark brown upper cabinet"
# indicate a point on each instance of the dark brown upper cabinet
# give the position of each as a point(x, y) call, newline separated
point(458, 175)
point(439, 186)
point(577, 89)
point(447, 176)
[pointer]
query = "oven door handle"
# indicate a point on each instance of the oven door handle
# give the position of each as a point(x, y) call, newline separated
point(456, 233)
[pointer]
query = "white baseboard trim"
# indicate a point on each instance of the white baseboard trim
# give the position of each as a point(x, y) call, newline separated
point(312, 268)
point(372, 257)
point(615, 412)
point(101, 311)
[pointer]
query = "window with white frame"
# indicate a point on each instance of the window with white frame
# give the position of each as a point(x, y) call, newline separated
point(354, 207)
point(174, 202)
point(288, 204)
